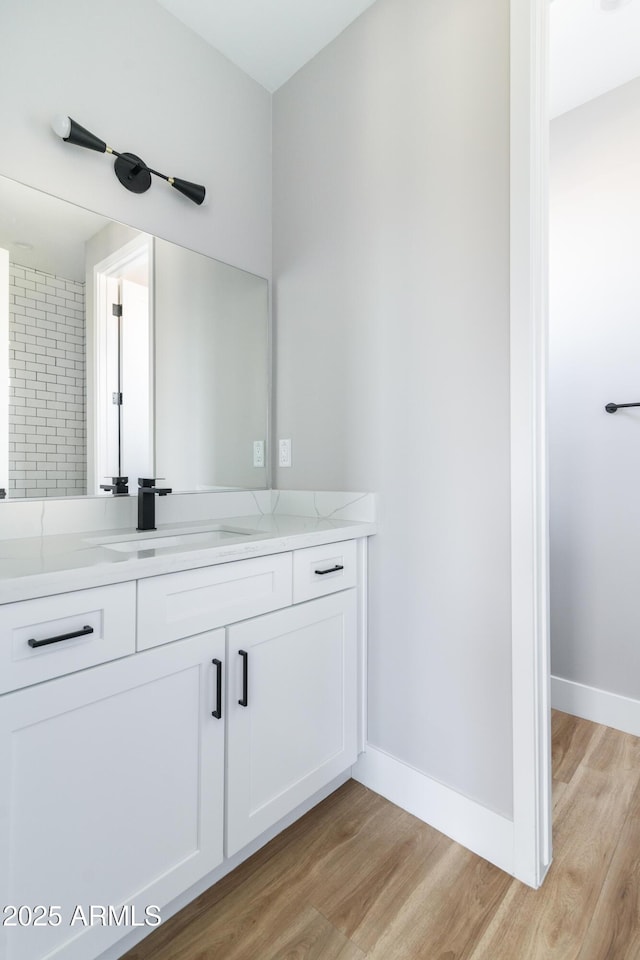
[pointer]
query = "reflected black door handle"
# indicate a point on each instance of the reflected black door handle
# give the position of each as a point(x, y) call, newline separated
point(335, 569)
point(244, 702)
point(217, 713)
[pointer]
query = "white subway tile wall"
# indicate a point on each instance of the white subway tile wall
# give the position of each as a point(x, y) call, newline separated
point(47, 385)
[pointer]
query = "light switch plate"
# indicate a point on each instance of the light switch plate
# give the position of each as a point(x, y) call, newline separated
point(258, 453)
point(284, 453)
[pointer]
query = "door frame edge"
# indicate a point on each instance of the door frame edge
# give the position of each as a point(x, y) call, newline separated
point(529, 162)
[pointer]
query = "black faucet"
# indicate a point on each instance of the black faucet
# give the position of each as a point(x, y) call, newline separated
point(118, 486)
point(147, 502)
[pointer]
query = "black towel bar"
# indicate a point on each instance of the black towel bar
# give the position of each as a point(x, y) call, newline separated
point(612, 407)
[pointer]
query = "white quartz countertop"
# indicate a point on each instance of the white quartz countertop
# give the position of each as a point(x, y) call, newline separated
point(42, 566)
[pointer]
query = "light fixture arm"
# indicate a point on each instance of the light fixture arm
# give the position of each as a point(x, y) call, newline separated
point(131, 171)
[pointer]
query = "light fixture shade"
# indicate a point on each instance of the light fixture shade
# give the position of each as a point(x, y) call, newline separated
point(72, 132)
point(194, 191)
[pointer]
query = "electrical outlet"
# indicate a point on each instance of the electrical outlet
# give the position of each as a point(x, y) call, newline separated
point(284, 453)
point(258, 453)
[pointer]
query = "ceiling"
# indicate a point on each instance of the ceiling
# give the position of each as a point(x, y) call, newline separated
point(43, 232)
point(268, 39)
point(592, 50)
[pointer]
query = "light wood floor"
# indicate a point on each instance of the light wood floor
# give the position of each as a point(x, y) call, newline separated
point(359, 878)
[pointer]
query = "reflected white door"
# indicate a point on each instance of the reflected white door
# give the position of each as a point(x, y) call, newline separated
point(136, 435)
point(124, 374)
point(110, 411)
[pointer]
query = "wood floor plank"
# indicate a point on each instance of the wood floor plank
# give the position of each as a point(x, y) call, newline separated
point(364, 905)
point(270, 903)
point(614, 932)
point(268, 896)
point(551, 923)
point(350, 864)
point(614, 750)
point(570, 739)
point(558, 788)
point(312, 937)
point(447, 912)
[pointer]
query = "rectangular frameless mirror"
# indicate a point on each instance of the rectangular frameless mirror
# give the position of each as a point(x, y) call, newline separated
point(124, 355)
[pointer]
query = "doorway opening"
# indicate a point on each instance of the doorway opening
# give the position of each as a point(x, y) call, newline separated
point(594, 360)
point(123, 415)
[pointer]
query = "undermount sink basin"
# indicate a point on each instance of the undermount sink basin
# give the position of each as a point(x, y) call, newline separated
point(203, 539)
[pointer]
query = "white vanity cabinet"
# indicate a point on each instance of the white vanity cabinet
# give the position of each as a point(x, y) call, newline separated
point(112, 794)
point(291, 675)
point(154, 727)
point(181, 604)
point(292, 710)
point(52, 636)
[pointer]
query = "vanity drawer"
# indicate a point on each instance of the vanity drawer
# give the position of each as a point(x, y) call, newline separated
point(104, 618)
point(178, 605)
point(314, 574)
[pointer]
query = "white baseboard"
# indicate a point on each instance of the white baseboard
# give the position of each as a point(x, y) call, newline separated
point(611, 709)
point(486, 833)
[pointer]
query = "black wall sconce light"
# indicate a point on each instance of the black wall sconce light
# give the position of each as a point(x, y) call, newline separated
point(131, 171)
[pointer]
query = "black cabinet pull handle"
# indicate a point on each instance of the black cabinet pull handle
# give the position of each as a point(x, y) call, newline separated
point(217, 713)
point(63, 636)
point(245, 678)
point(612, 407)
point(335, 569)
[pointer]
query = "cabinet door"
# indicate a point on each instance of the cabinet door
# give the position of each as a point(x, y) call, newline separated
point(297, 731)
point(111, 795)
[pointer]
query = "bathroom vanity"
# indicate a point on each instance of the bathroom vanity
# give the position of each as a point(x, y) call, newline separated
point(169, 700)
point(205, 693)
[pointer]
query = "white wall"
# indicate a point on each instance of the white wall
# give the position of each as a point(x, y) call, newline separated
point(594, 359)
point(141, 80)
point(391, 273)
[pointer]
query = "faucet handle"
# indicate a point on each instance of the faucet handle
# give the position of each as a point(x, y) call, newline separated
point(149, 483)
point(118, 485)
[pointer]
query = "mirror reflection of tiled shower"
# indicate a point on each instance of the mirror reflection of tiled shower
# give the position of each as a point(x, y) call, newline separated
point(47, 447)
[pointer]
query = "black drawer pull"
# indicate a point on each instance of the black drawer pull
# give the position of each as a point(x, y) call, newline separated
point(217, 713)
point(245, 678)
point(63, 636)
point(335, 569)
